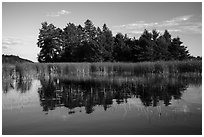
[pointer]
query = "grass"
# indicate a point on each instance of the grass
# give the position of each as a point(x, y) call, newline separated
point(151, 72)
point(109, 69)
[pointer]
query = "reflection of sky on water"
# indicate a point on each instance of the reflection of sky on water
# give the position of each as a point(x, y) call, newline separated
point(193, 95)
point(190, 101)
point(17, 100)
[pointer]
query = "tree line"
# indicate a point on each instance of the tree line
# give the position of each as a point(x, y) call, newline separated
point(76, 43)
point(12, 59)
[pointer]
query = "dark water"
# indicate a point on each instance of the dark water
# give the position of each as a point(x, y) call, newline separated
point(39, 102)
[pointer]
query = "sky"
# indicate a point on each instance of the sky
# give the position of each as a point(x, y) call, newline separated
point(21, 21)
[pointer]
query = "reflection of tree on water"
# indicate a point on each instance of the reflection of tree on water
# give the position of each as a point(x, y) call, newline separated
point(16, 78)
point(164, 89)
point(80, 93)
point(71, 92)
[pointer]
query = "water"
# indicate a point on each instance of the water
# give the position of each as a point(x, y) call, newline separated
point(39, 102)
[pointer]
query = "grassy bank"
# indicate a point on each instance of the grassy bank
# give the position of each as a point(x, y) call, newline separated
point(108, 68)
point(142, 68)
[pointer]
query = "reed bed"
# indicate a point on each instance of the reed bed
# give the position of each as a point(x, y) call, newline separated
point(109, 68)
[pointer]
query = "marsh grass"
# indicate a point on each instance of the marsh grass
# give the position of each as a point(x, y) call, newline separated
point(108, 68)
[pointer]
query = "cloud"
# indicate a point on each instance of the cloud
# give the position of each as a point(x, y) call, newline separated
point(176, 21)
point(7, 42)
point(195, 27)
point(181, 24)
point(59, 13)
point(5, 46)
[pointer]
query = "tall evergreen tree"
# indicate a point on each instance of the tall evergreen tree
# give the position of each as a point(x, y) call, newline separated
point(177, 50)
point(89, 30)
point(50, 42)
point(135, 50)
point(119, 47)
point(146, 46)
point(107, 43)
point(90, 47)
point(155, 34)
point(161, 45)
point(71, 41)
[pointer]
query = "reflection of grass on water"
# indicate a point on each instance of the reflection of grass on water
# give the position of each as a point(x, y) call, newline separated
point(112, 72)
point(89, 93)
point(88, 84)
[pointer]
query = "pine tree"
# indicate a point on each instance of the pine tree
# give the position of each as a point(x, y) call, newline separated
point(72, 38)
point(50, 42)
point(146, 47)
point(90, 45)
point(177, 50)
point(107, 43)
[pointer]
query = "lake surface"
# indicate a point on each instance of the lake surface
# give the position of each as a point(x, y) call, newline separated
point(38, 101)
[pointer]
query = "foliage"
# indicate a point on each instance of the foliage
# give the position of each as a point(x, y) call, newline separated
point(90, 44)
point(12, 59)
point(50, 42)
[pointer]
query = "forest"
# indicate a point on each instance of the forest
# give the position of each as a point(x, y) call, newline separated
point(76, 43)
point(12, 59)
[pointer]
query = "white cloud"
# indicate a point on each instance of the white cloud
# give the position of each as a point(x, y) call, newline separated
point(7, 42)
point(182, 24)
point(176, 21)
point(174, 30)
point(192, 27)
point(62, 12)
point(59, 13)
